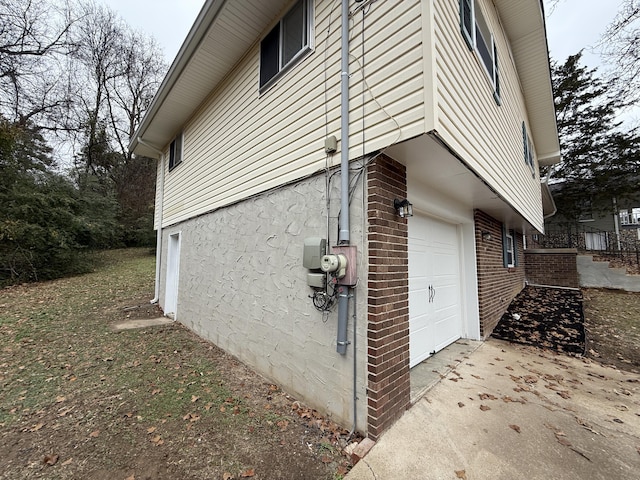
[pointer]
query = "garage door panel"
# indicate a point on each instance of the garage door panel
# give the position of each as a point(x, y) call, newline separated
point(435, 318)
point(416, 352)
point(446, 264)
point(446, 296)
point(418, 304)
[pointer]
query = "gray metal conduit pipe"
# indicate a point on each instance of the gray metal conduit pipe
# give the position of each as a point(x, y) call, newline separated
point(344, 234)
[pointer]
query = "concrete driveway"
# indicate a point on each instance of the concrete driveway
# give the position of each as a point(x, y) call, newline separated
point(514, 412)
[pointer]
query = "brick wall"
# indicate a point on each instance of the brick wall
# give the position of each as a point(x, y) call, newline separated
point(388, 300)
point(497, 285)
point(555, 267)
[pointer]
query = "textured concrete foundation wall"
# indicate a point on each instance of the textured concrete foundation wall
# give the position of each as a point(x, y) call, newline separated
point(242, 286)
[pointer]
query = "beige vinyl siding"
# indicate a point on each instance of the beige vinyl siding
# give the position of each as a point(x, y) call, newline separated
point(241, 143)
point(487, 136)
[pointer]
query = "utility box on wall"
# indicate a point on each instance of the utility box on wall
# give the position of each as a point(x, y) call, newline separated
point(314, 250)
point(351, 275)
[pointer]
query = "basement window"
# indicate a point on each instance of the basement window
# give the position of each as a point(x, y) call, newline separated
point(286, 43)
point(175, 152)
point(478, 36)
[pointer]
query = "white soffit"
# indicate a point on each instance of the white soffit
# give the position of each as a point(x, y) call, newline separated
point(523, 21)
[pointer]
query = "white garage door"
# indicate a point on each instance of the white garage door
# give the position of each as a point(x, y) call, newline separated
point(435, 318)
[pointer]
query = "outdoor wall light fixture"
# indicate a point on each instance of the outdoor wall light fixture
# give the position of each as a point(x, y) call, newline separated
point(403, 207)
point(486, 236)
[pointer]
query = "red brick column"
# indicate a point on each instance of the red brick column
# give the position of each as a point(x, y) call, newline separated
point(388, 297)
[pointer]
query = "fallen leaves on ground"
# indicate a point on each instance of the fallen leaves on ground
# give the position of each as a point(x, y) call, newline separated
point(487, 396)
point(99, 396)
point(515, 427)
point(550, 318)
point(462, 474)
point(50, 459)
point(36, 427)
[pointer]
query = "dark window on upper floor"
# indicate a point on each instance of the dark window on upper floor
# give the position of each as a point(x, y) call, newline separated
point(478, 36)
point(286, 43)
point(175, 152)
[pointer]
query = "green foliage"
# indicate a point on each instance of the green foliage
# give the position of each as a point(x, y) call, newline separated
point(599, 160)
point(80, 72)
point(46, 221)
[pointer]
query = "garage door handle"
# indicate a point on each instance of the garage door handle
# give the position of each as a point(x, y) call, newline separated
point(432, 293)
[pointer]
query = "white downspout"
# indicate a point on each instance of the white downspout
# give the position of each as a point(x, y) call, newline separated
point(159, 208)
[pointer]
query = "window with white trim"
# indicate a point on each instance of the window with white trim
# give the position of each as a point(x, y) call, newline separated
point(630, 217)
point(287, 42)
point(478, 36)
point(175, 152)
point(509, 250)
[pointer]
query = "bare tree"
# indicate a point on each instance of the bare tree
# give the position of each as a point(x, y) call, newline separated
point(130, 93)
point(117, 73)
point(33, 43)
point(88, 78)
point(620, 46)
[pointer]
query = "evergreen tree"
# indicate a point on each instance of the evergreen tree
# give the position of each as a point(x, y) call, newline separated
point(599, 161)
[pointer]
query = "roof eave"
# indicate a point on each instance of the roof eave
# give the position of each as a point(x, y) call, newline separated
point(524, 24)
point(205, 18)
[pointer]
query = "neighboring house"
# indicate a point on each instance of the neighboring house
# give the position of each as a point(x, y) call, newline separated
point(590, 220)
point(450, 106)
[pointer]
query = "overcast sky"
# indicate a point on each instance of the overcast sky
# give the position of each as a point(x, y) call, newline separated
point(574, 24)
point(168, 21)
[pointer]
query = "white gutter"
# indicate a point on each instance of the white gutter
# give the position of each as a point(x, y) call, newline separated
point(160, 207)
point(547, 197)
